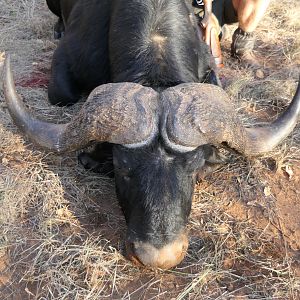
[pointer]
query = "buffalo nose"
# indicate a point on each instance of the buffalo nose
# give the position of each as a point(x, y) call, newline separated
point(165, 257)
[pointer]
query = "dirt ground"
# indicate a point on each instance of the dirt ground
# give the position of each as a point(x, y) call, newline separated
point(61, 227)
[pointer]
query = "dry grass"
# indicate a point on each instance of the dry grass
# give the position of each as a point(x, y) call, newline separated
point(61, 226)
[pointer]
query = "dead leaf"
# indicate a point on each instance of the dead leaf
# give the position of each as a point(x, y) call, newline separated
point(260, 74)
point(4, 161)
point(223, 229)
point(289, 171)
point(267, 191)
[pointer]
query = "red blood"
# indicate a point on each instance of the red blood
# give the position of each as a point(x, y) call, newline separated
point(34, 80)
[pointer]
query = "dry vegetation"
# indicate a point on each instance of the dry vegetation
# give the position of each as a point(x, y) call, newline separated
point(61, 228)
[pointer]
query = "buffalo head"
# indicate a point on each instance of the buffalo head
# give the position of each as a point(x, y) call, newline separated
point(161, 140)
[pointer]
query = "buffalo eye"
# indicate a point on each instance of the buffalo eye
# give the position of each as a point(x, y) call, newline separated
point(126, 178)
point(125, 173)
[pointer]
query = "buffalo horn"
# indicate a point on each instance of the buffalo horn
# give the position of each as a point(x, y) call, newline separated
point(198, 114)
point(120, 113)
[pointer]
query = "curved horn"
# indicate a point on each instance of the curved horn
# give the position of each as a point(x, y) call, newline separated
point(120, 113)
point(198, 114)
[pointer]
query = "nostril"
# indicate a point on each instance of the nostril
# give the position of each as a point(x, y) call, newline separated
point(165, 257)
point(132, 248)
point(131, 252)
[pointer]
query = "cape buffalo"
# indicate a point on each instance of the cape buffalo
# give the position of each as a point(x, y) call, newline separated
point(163, 124)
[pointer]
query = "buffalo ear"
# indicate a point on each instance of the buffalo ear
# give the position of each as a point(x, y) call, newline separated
point(213, 155)
point(214, 159)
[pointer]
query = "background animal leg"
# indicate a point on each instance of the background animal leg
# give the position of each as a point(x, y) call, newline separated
point(62, 88)
point(59, 29)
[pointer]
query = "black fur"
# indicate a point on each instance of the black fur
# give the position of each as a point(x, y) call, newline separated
point(153, 43)
point(112, 41)
point(155, 188)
